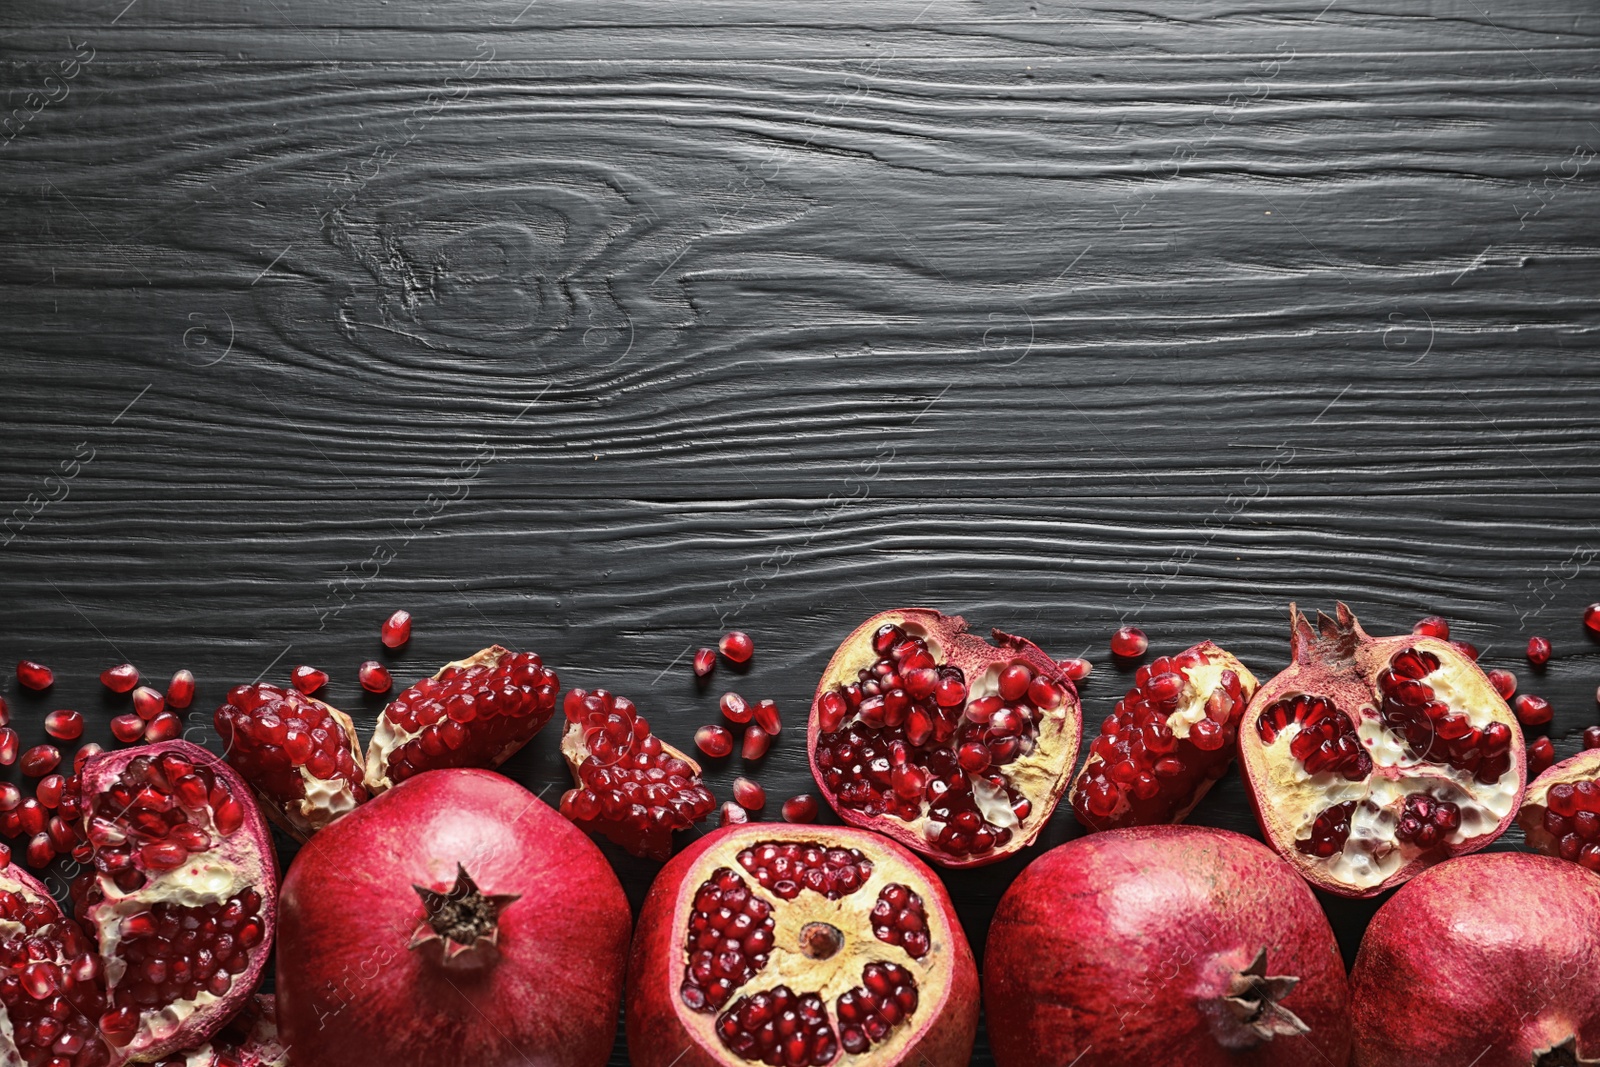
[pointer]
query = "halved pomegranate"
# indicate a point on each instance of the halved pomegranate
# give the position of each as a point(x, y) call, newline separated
point(249, 1040)
point(1561, 813)
point(299, 754)
point(795, 945)
point(1370, 759)
point(181, 895)
point(629, 786)
point(952, 746)
point(1166, 742)
point(475, 712)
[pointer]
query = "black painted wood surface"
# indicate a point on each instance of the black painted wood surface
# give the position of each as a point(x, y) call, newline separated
point(597, 329)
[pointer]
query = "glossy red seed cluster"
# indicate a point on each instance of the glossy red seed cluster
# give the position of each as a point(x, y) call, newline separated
point(156, 816)
point(1432, 729)
point(899, 918)
point(270, 733)
point(785, 868)
point(730, 935)
point(1426, 821)
point(779, 1026)
point(1572, 818)
point(51, 986)
point(1327, 740)
point(885, 998)
point(1330, 831)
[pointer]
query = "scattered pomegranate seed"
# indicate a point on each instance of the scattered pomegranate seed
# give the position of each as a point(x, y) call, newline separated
point(1076, 669)
point(756, 742)
point(396, 629)
point(84, 754)
point(714, 741)
point(749, 794)
point(1532, 710)
point(180, 691)
point(375, 677)
point(732, 814)
point(802, 808)
point(5, 713)
point(705, 661)
point(147, 703)
point(1541, 755)
point(1504, 682)
point(127, 728)
point(35, 676)
point(737, 646)
point(121, 678)
point(1591, 738)
point(308, 679)
point(1467, 649)
point(1433, 626)
point(8, 746)
point(1591, 618)
point(40, 760)
point(48, 791)
point(10, 796)
point(163, 727)
point(1538, 650)
point(766, 716)
point(735, 708)
point(64, 725)
point(5, 855)
point(41, 852)
point(1129, 642)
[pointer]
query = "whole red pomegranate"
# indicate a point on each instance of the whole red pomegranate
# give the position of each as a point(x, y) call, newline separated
point(454, 920)
point(1561, 812)
point(954, 747)
point(1163, 945)
point(1491, 960)
point(791, 945)
point(1368, 759)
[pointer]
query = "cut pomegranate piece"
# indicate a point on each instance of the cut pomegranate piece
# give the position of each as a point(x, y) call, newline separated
point(1561, 813)
point(905, 697)
point(249, 1040)
point(630, 787)
point(181, 893)
point(1166, 742)
point(308, 679)
point(121, 678)
point(475, 712)
point(299, 755)
point(180, 691)
point(1337, 746)
point(34, 675)
point(705, 661)
point(737, 646)
point(64, 725)
point(374, 677)
point(1538, 651)
point(396, 629)
point(1129, 642)
point(792, 946)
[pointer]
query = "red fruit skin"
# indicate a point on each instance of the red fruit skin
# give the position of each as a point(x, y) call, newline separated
point(348, 910)
point(657, 1036)
point(1486, 960)
point(1104, 949)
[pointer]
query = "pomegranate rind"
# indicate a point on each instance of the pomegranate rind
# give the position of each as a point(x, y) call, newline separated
point(664, 1032)
point(1488, 959)
point(249, 1040)
point(1113, 948)
point(247, 861)
point(1336, 659)
point(1042, 776)
point(322, 799)
point(650, 845)
point(1584, 767)
point(352, 994)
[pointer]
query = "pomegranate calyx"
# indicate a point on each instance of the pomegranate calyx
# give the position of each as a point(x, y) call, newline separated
point(1332, 641)
point(1564, 1054)
point(1252, 1010)
point(460, 919)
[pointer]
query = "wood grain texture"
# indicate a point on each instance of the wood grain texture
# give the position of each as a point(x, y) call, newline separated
point(597, 329)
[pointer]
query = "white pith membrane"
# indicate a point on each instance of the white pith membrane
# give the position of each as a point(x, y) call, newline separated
point(1372, 853)
point(787, 965)
point(325, 798)
point(259, 1047)
point(1584, 767)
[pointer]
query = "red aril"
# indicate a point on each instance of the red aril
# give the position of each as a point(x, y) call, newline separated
point(299, 755)
point(910, 688)
point(749, 794)
point(1166, 742)
point(1467, 649)
point(475, 712)
point(148, 703)
point(766, 715)
point(1561, 813)
point(5, 713)
point(64, 725)
point(34, 675)
point(1075, 669)
point(48, 791)
point(1541, 755)
point(1504, 682)
point(629, 786)
point(163, 727)
point(1433, 626)
point(714, 741)
point(756, 742)
point(1369, 759)
point(1591, 737)
point(39, 760)
point(705, 661)
point(54, 990)
point(1532, 710)
point(737, 646)
point(453, 920)
point(731, 813)
point(9, 744)
point(1591, 618)
point(1129, 642)
point(1491, 960)
point(308, 679)
point(800, 809)
point(786, 945)
point(735, 708)
point(396, 629)
point(1158, 945)
point(121, 678)
point(127, 728)
point(374, 677)
point(1538, 651)
point(180, 691)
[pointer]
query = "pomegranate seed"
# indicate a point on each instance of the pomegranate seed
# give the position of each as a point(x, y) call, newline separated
point(1129, 642)
point(735, 708)
point(147, 703)
point(41, 851)
point(705, 661)
point(121, 678)
point(1433, 626)
point(180, 691)
point(34, 675)
point(1532, 710)
point(1591, 738)
point(749, 794)
point(127, 728)
point(1538, 650)
point(714, 741)
point(8, 746)
point(1541, 755)
point(737, 646)
point(10, 796)
point(1591, 618)
point(84, 754)
point(1504, 682)
point(732, 814)
point(308, 679)
point(1076, 669)
point(64, 725)
point(766, 716)
point(802, 808)
point(396, 629)
point(5, 856)
point(1467, 649)
point(756, 742)
point(40, 760)
point(48, 791)
point(5, 713)
point(163, 727)
point(375, 677)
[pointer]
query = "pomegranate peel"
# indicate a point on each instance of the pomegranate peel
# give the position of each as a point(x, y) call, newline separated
point(249, 1040)
point(1566, 822)
point(1369, 759)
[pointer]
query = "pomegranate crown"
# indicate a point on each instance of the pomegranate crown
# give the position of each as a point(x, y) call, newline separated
point(1331, 640)
point(460, 919)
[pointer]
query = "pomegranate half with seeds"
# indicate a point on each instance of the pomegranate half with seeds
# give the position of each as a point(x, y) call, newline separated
point(180, 893)
point(1166, 742)
point(954, 747)
point(1561, 813)
point(1370, 759)
point(457, 921)
point(1163, 945)
point(792, 945)
point(1490, 960)
point(475, 712)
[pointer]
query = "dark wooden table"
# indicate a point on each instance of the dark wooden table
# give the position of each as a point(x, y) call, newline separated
point(597, 329)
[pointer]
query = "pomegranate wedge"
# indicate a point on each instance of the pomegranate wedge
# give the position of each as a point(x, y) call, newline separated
point(1561, 815)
